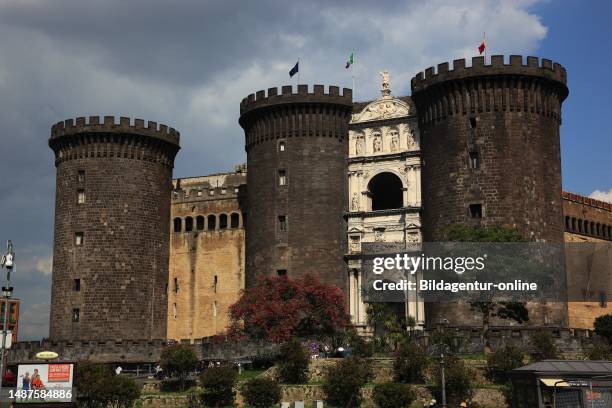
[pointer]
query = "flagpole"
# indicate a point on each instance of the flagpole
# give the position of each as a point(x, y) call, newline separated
point(484, 37)
point(353, 77)
point(298, 80)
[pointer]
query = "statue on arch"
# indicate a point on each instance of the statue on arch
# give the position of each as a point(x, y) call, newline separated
point(386, 83)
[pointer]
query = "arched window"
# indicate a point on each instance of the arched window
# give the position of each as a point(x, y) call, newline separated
point(580, 228)
point(598, 229)
point(178, 224)
point(592, 228)
point(567, 223)
point(212, 222)
point(188, 224)
point(223, 221)
point(235, 220)
point(573, 224)
point(386, 191)
point(604, 230)
point(199, 223)
point(586, 227)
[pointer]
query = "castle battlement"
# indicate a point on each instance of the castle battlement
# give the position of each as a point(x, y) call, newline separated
point(535, 67)
point(92, 124)
point(261, 99)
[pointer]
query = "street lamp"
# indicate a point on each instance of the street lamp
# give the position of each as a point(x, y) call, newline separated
point(442, 323)
point(8, 263)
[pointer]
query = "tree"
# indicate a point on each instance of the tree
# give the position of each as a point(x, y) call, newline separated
point(179, 360)
point(261, 392)
point(278, 308)
point(502, 361)
point(294, 361)
point(543, 345)
point(603, 327)
point(410, 361)
point(343, 382)
point(490, 308)
point(393, 395)
point(458, 381)
point(218, 384)
point(99, 387)
point(388, 323)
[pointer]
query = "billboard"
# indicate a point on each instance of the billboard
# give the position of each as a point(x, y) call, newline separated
point(44, 383)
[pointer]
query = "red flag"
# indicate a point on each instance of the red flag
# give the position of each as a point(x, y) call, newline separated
point(482, 46)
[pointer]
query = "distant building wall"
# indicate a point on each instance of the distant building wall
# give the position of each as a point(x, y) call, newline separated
point(206, 253)
point(588, 221)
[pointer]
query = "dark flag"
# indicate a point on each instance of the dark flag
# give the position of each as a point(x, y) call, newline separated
point(295, 69)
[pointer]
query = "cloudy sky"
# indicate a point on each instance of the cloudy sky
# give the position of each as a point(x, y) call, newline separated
point(189, 63)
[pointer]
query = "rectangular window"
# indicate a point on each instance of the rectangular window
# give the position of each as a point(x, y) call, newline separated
point(211, 192)
point(81, 176)
point(282, 223)
point(78, 238)
point(81, 196)
point(223, 191)
point(281, 272)
point(473, 122)
point(77, 285)
point(282, 178)
point(474, 162)
point(176, 285)
point(476, 210)
point(281, 146)
point(199, 193)
point(76, 315)
point(236, 190)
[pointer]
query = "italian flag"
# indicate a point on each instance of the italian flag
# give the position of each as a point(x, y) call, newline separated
point(350, 61)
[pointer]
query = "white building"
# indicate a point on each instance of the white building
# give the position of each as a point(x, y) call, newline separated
point(384, 176)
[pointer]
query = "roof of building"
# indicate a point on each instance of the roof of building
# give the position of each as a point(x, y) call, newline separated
point(567, 367)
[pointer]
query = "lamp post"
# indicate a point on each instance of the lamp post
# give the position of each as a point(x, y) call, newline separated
point(8, 263)
point(442, 323)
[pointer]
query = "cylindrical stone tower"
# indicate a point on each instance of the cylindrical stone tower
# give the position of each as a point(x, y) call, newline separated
point(490, 145)
point(491, 156)
point(112, 224)
point(296, 146)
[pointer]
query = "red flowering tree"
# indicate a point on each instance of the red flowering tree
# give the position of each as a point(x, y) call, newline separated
point(278, 308)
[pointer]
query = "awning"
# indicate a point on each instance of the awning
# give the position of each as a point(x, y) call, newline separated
point(550, 382)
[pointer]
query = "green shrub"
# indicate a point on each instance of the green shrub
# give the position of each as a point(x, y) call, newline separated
point(178, 361)
point(261, 392)
point(603, 327)
point(393, 395)
point(294, 360)
point(544, 346)
point(600, 352)
point(500, 362)
point(410, 361)
point(218, 384)
point(102, 388)
point(344, 381)
point(458, 380)
point(361, 347)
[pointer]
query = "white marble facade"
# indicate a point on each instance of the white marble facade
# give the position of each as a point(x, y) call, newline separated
point(383, 138)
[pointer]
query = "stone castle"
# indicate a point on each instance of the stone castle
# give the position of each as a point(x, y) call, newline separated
point(140, 256)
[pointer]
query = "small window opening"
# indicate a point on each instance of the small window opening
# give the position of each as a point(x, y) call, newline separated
point(178, 225)
point(78, 238)
point(474, 161)
point(188, 224)
point(216, 281)
point(176, 285)
point(77, 285)
point(174, 310)
point(223, 221)
point(473, 122)
point(282, 223)
point(76, 315)
point(235, 220)
point(81, 176)
point(199, 223)
point(603, 301)
point(281, 146)
point(476, 210)
point(212, 222)
point(282, 178)
point(281, 272)
point(81, 196)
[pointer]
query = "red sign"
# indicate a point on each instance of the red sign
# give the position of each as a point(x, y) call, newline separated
point(59, 373)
